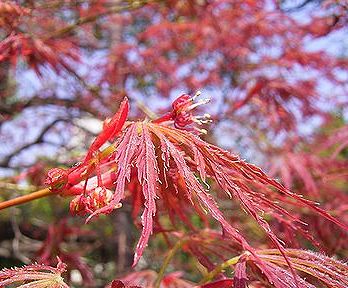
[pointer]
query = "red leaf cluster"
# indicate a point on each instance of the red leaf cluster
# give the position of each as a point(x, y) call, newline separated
point(36, 52)
point(171, 163)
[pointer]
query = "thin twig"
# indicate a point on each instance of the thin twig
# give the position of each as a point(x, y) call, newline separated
point(26, 198)
point(167, 260)
point(17, 238)
point(212, 274)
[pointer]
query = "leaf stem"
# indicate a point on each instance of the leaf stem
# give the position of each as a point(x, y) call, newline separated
point(26, 198)
point(213, 273)
point(167, 260)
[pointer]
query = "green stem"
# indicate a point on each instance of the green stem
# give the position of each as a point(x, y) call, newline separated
point(213, 273)
point(167, 260)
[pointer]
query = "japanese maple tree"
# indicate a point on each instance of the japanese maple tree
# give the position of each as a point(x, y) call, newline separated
point(100, 110)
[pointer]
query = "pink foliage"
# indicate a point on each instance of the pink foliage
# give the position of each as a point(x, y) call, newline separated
point(152, 150)
point(35, 276)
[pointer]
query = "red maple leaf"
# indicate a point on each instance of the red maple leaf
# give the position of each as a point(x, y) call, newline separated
point(167, 160)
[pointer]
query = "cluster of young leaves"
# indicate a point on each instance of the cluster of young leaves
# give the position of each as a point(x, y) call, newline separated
point(165, 162)
point(171, 168)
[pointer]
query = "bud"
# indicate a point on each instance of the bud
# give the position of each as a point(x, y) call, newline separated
point(57, 178)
